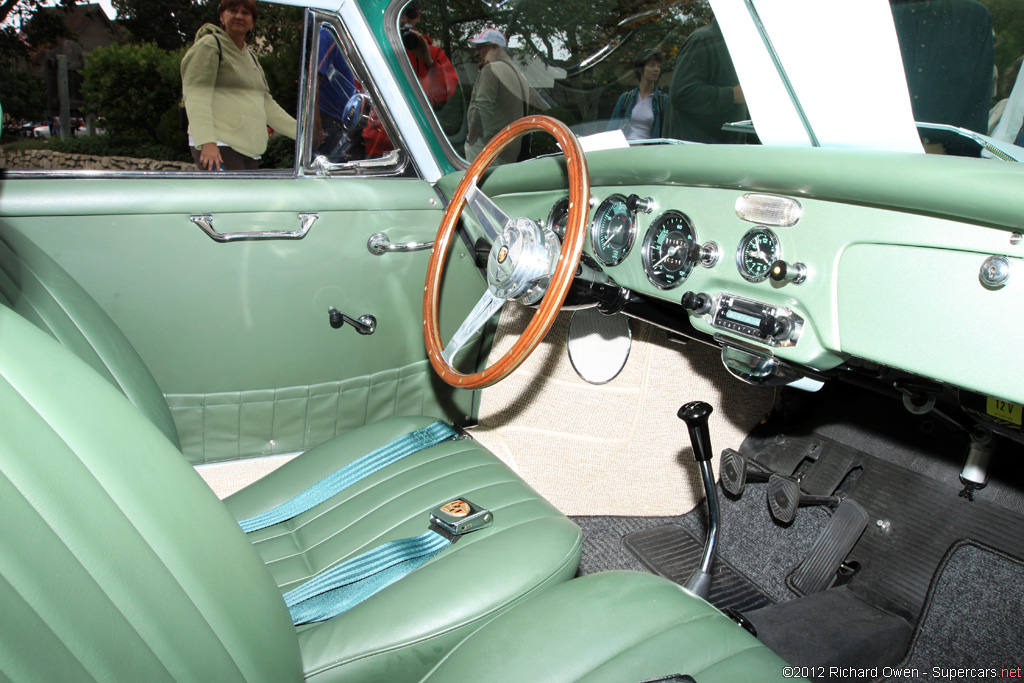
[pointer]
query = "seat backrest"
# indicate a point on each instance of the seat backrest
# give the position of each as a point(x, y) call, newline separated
point(38, 288)
point(115, 567)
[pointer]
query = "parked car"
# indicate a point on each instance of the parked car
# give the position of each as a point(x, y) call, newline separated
point(732, 400)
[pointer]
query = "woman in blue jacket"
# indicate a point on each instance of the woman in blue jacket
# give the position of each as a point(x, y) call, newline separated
point(640, 111)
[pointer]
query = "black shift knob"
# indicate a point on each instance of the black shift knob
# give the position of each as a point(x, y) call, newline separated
point(695, 415)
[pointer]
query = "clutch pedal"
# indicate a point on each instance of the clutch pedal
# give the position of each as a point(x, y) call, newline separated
point(735, 471)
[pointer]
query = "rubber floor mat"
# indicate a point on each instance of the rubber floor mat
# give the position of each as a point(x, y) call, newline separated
point(674, 552)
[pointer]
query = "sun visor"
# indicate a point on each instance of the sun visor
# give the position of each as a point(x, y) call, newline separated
point(808, 81)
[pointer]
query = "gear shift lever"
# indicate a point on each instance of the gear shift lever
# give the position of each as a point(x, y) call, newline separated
point(695, 415)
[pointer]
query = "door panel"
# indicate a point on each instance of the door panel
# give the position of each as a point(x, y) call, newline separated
point(237, 333)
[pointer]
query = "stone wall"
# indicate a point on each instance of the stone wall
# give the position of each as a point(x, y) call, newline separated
point(47, 159)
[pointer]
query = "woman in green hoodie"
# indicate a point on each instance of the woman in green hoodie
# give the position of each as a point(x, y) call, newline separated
point(226, 96)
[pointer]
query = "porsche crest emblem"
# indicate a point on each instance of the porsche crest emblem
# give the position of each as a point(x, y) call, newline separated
point(502, 254)
point(456, 508)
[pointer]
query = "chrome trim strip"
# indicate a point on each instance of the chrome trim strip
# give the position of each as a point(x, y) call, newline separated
point(206, 223)
point(386, 91)
point(790, 90)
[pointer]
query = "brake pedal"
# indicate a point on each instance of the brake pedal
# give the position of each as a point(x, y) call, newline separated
point(785, 496)
point(735, 472)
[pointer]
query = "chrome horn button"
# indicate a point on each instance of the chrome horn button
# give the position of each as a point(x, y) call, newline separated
point(520, 257)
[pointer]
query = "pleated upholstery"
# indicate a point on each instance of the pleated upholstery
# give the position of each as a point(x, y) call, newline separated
point(36, 286)
point(399, 633)
point(117, 563)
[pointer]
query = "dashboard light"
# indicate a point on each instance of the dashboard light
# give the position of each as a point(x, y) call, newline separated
point(769, 209)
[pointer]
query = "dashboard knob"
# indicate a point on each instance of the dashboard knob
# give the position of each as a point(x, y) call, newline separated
point(776, 326)
point(699, 303)
point(635, 202)
point(788, 272)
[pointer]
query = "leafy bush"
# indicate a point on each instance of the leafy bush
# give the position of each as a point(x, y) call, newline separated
point(280, 153)
point(102, 145)
point(133, 87)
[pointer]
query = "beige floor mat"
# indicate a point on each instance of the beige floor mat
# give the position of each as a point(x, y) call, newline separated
point(227, 477)
point(616, 448)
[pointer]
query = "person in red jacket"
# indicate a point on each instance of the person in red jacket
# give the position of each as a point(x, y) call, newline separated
point(433, 69)
point(431, 64)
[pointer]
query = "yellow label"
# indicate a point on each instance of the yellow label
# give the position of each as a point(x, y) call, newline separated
point(1004, 410)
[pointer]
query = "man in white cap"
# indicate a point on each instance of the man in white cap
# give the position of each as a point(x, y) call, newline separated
point(499, 96)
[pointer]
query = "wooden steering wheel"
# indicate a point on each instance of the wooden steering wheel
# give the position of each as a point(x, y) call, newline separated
point(525, 260)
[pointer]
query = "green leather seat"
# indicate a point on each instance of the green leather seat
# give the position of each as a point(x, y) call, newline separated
point(529, 546)
point(119, 564)
point(616, 627)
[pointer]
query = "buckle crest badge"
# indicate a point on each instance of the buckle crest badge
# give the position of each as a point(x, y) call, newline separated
point(460, 516)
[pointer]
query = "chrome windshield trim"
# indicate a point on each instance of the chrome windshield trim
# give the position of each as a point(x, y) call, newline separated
point(998, 148)
point(777, 62)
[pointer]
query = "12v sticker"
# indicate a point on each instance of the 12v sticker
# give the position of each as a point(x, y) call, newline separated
point(1004, 410)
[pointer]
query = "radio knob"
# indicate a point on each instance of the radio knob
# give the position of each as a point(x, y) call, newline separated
point(788, 272)
point(776, 326)
point(699, 303)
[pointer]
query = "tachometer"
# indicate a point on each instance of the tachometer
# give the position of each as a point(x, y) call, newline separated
point(613, 231)
point(667, 250)
point(758, 250)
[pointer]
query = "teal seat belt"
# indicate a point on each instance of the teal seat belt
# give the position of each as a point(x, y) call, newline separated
point(334, 483)
point(345, 585)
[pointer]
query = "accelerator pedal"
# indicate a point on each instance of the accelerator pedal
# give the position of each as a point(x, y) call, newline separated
point(819, 568)
point(735, 471)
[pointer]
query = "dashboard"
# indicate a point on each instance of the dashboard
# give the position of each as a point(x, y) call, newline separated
point(795, 287)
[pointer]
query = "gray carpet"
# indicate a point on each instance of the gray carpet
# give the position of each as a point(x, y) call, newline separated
point(752, 542)
point(979, 582)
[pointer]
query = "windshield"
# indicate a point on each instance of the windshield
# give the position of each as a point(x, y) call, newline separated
point(935, 76)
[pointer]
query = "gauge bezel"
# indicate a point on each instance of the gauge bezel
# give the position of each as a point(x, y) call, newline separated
point(561, 207)
point(595, 223)
point(775, 255)
point(645, 251)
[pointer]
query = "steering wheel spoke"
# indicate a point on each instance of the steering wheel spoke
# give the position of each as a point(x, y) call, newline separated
point(522, 255)
point(489, 304)
point(489, 214)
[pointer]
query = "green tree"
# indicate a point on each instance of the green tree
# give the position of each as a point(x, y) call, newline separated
point(169, 24)
point(132, 87)
point(9, 7)
point(24, 95)
point(47, 26)
point(12, 47)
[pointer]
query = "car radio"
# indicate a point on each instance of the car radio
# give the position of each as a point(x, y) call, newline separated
point(768, 324)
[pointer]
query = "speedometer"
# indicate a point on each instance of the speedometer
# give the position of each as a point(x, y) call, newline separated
point(758, 250)
point(667, 250)
point(613, 230)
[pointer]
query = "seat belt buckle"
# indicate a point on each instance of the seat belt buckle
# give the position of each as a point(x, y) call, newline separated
point(460, 516)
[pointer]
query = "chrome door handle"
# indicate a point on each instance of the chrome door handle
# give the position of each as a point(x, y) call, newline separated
point(306, 221)
point(379, 243)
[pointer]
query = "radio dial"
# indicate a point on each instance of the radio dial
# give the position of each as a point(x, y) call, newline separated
point(699, 303)
point(776, 326)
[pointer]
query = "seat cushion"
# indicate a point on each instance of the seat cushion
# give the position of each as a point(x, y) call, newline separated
point(615, 627)
point(401, 632)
